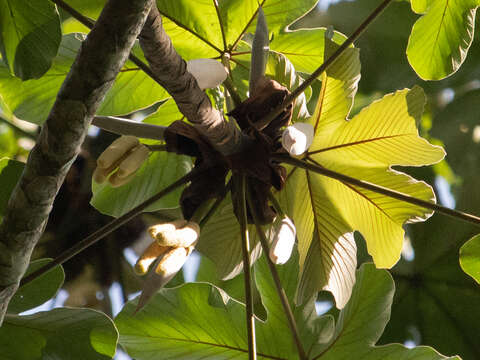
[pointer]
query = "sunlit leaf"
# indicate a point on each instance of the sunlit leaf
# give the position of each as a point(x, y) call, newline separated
point(470, 258)
point(58, 334)
point(203, 29)
point(304, 48)
point(32, 100)
point(38, 291)
point(440, 39)
point(326, 211)
point(160, 170)
point(29, 36)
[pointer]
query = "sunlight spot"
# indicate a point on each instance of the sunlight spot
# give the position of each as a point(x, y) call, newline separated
point(116, 298)
point(446, 96)
point(409, 344)
point(191, 266)
point(130, 256)
point(476, 134)
point(407, 250)
point(445, 195)
point(322, 307)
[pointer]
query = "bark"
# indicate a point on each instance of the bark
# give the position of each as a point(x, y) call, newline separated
point(171, 72)
point(98, 62)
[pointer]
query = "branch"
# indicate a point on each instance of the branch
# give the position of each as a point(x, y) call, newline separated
point(171, 71)
point(98, 62)
point(241, 189)
point(276, 279)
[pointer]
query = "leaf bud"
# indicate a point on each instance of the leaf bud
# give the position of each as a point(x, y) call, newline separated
point(209, 73)
point(284, 233)
point(297, 138)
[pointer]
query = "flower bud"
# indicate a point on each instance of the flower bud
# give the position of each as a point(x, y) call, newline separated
point(297, 138)
point(209, 73)
point(284, 233)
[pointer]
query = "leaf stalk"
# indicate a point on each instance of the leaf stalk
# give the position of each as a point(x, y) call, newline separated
point(379, 189)
point(276, 279)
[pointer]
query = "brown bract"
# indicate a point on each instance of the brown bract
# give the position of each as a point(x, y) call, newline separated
point(253, 160)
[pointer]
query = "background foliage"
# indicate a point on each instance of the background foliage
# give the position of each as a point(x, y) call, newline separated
point(433, 302)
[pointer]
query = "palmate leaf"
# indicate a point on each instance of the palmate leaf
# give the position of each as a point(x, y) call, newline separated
point(440, 39)
point(326, 211)
point(32, 100)
point(198, 320)
point(201, 29)
point(29, 36)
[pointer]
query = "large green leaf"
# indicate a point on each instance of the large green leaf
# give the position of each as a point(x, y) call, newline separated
point(326, 211)
point(160, 170)
point(38, 291)
point(198, 320)
point(32, 100)
point(440, 39)
point(207, 29)
point(363, 320)
point(61, 333)
point(29, 36)
point(470, 258)
point(10, 171)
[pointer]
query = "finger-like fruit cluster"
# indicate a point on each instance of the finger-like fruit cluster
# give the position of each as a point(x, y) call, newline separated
point(125, 155)
point(173, 242)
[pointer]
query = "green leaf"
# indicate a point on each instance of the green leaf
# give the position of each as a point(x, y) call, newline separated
point(58, 334)
point(166, 114)
point(198, 320)
point(470, 258)
point(220, 241)
point(326, 211)
point(363, 320)
point(88, 8)
point(38, 291)
point(10, 171)
point(203, 29)
point(160, 170)
point(440, 39)
point(305, 47)
point(32, 100)
point(29, 36)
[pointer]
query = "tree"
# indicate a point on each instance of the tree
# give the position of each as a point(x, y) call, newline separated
point(241, 186)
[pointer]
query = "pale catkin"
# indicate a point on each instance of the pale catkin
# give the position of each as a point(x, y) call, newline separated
point(133, 161)
point(116, 151)
point(173, 261)
point(151, 253)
